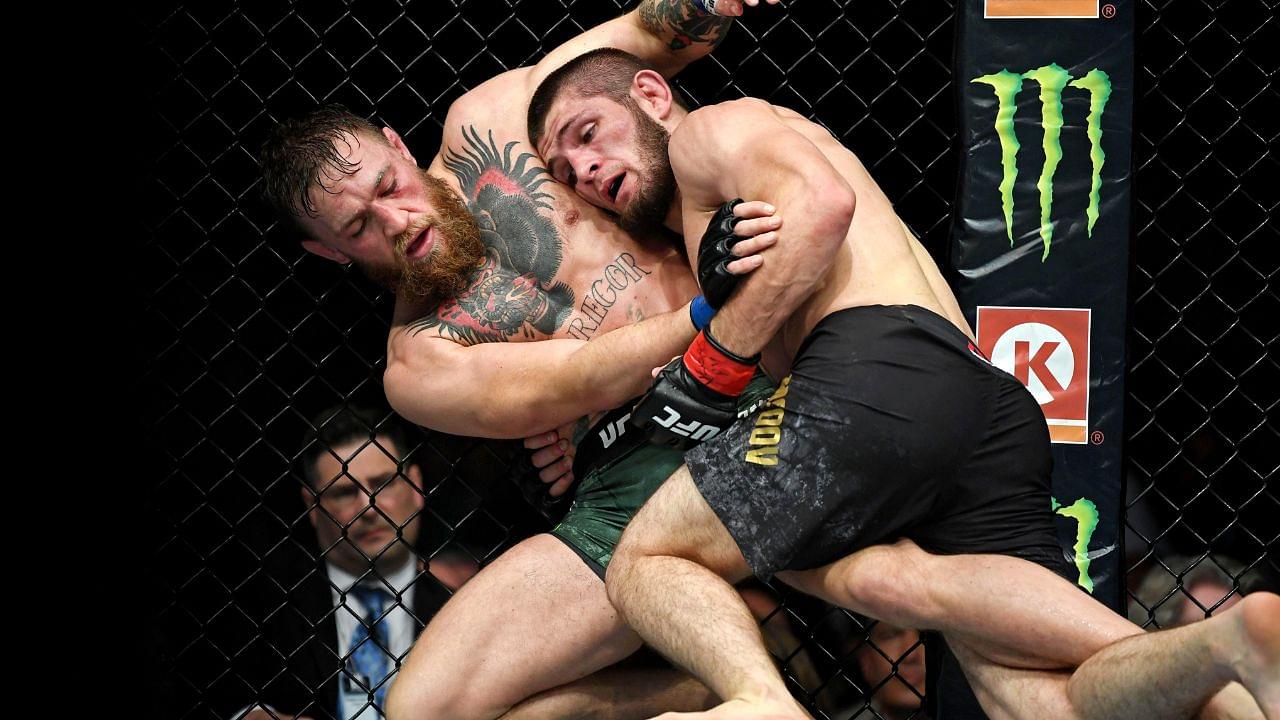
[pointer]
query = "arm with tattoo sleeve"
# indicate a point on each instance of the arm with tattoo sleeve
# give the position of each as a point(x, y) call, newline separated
point(512, 390)
point(669, 34)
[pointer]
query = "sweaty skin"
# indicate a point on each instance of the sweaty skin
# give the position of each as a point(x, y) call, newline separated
point(558, 277)
point(843, 246)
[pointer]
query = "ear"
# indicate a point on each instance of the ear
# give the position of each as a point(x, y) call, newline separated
point(651, 91)
point(309, 502)
point(396, 142)
point(315, 247)
point(415, 478)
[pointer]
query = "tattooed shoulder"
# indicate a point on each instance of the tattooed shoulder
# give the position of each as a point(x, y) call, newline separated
point(513, 293)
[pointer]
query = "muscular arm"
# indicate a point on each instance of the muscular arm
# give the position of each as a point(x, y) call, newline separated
point(669, 34)
point(743, 149)
point(513, 390)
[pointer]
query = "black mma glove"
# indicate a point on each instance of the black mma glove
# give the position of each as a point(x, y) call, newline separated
point(695, 397)
point(715, 253)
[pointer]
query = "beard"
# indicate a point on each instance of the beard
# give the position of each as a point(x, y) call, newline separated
point(647, 211)
point(444, 272)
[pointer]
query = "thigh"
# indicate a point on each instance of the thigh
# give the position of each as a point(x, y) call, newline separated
point(677, 522)
point(536, 618)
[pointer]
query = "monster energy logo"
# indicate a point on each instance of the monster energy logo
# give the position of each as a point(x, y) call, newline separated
point(1085, 513)
point(1052, 79)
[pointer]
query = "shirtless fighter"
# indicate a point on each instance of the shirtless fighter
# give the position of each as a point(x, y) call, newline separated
point(484, 252)
point(887, 422)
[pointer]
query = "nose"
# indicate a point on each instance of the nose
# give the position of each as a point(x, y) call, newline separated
point(585, 167)
point(394, 220)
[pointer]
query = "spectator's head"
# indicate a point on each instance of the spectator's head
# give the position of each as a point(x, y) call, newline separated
point(888, 645)
point(357, 196)
point(363, 493)
point(1204, 585)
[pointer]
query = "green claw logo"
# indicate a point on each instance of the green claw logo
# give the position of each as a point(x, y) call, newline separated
point(1051, 79)
point(1085, 513)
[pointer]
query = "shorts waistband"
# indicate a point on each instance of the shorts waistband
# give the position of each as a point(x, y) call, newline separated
point(922, 317)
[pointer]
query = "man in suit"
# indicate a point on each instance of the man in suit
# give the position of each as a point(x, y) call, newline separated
point(334, 627)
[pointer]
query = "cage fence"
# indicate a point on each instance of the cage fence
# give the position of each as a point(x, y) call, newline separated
point(250, 339)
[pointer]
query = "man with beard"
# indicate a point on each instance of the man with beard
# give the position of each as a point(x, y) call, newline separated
point(484, 251)
point(887, 422)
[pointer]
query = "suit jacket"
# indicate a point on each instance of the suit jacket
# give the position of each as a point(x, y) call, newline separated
point(293, 665)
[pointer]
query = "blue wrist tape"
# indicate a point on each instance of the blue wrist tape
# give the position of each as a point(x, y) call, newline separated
point(701, 312)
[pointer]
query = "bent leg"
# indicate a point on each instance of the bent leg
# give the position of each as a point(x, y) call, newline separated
point(1013, 621)
point(1015, 612)
point(670, 578)
point(535, 619)
point(617, 693)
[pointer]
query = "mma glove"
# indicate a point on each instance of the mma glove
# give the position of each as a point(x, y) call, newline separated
point(695, 397)
point(714, 255)
point(715, 252)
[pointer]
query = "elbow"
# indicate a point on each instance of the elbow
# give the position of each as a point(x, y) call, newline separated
point(396, 385)
point(836, 203)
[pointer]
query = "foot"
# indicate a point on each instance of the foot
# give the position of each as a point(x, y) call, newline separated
point(1232, 702)
point(1257, 662)
point(745, 710)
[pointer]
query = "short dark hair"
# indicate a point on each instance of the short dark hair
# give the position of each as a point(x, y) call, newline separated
point(343, 423)
point(604, 71)
point(303, 151)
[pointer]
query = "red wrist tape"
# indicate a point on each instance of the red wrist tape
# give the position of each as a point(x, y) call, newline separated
point(716, 369)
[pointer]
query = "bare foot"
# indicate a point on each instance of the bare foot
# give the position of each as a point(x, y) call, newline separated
point(1258, 665)
point(1232, 702)
point(744, 710)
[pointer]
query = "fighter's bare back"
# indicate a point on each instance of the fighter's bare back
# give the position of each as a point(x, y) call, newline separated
point(880, 263)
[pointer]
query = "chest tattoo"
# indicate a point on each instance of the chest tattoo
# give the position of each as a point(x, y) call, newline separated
point(512, 293)
point(617, 276)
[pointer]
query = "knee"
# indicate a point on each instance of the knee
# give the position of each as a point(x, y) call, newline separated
point(892, 585)
point(435, 697)
point(619, 569)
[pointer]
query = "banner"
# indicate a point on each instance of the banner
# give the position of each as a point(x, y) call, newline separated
point(1040, 251)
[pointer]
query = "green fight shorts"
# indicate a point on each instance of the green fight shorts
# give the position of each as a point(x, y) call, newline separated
point(611, 494)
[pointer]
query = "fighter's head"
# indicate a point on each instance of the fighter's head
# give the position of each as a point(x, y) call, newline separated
point(357, 195)
point(601, 122)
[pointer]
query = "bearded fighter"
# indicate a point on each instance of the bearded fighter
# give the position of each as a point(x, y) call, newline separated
point(887, 422)
point(485, 252)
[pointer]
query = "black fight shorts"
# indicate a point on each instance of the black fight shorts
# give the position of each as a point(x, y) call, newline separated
point(890, 425)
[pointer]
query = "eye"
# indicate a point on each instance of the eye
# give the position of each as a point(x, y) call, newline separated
point(390, 189)
point(589, 133)
point(359, 229)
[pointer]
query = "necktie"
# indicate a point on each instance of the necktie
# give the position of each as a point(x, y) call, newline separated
point(368, 658)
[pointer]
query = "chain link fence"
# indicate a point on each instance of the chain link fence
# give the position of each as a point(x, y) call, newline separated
point(1204, 377)
point(250, 340)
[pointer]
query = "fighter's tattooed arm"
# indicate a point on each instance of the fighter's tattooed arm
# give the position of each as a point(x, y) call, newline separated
point(515, 390)
point(514, 291)
point(681, 23)
point(667, 34)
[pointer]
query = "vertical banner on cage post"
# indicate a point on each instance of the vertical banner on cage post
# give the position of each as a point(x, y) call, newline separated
point(1041, 240)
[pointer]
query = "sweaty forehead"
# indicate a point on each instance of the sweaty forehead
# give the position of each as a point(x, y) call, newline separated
point(335, 189)
point(567, 108)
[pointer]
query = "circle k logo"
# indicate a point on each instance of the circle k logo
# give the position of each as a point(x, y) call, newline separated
point(1047, 349)
point(1039, 356)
